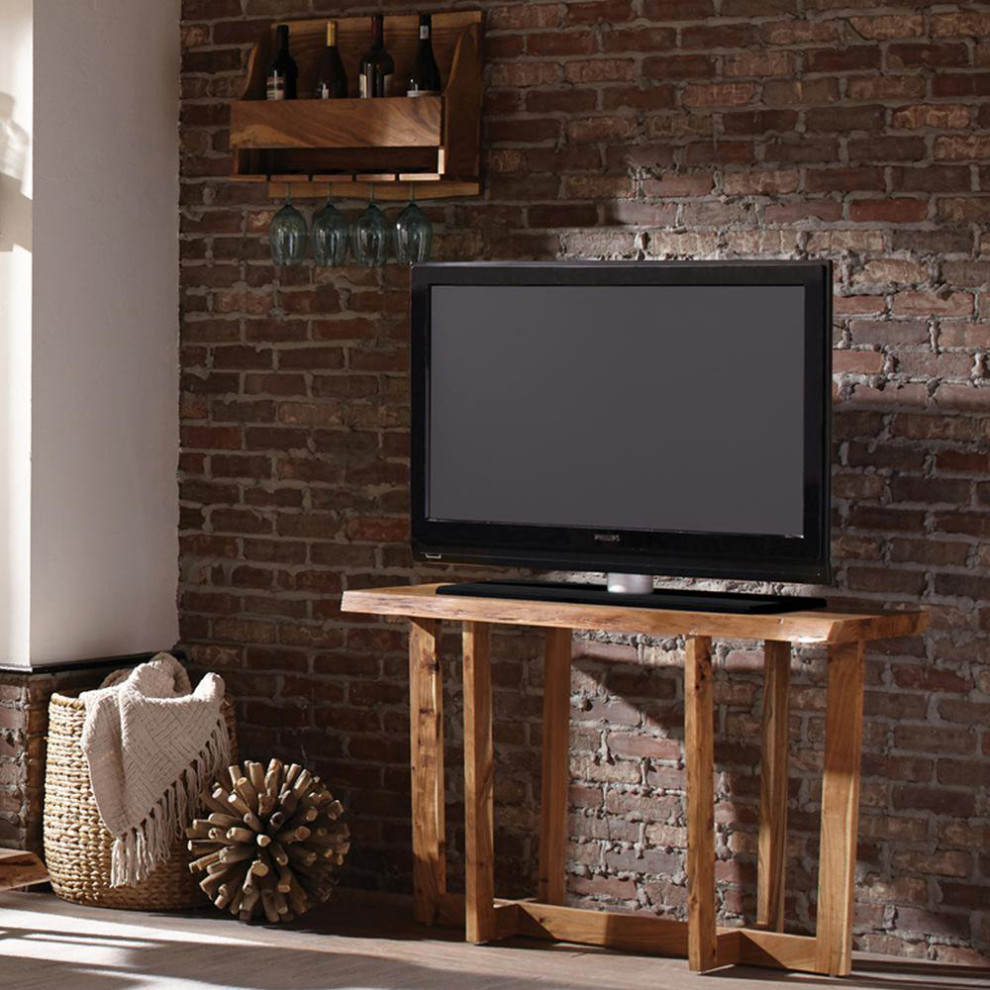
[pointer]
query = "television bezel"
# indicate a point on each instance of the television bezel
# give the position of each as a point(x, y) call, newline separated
point(804, 559)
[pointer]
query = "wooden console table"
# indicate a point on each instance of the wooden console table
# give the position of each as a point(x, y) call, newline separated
point(705, 945)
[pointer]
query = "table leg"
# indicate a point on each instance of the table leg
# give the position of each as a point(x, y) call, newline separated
point(479, 785)
point(426, 758)
point(840, 808)
point(773, 786)
point(556, 765)
point(699, 759)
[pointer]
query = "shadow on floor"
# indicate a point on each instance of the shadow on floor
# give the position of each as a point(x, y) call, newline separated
point(876, 974)
point(358, 942)
point(49, 958)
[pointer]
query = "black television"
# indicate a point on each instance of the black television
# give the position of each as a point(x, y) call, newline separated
point(633, 418)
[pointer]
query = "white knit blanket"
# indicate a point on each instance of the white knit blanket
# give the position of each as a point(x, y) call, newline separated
point(152, 746)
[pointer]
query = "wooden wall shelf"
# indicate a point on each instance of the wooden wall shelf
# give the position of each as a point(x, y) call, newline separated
point(353, 144)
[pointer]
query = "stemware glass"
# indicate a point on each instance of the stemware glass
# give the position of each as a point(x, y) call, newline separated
point(371, 235)
point(329, 235)
point(413, 233)
point(287, 233)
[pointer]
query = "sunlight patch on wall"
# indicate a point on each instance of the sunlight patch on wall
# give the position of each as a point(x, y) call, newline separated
point(16, 113)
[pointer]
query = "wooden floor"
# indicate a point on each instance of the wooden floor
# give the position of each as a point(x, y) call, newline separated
point(357, 942)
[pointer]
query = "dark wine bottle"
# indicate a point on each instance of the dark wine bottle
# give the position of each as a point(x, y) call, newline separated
point(283, 72)
point(331, 80)
point(377, 66)
point(424, 78)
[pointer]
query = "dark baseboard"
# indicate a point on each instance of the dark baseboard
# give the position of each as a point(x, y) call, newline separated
point(124, 660)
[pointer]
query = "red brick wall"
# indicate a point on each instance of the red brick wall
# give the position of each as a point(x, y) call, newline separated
point(854, 131)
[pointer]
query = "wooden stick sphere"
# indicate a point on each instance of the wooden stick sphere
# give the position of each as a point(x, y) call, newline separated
point(270, 843)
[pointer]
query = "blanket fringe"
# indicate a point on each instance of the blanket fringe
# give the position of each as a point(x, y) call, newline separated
point(135, 854)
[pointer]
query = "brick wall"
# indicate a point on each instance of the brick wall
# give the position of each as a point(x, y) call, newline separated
point(837, 129)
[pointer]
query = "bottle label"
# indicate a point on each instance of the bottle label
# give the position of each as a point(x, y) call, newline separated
point(374, 84)
point(276, 86)
point(424, 32)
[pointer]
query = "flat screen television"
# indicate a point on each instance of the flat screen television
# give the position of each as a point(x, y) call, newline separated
point(638, 418)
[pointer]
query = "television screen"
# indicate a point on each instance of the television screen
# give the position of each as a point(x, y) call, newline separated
point(624, 408)
point(670, 415)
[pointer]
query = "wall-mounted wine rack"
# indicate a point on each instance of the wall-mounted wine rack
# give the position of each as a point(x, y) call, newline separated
point(354, 145)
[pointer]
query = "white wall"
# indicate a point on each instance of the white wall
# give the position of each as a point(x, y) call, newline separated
point(16, 119)
point(104, 381)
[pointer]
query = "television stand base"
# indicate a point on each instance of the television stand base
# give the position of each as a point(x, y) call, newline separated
point(629, 584)
point(667, 598)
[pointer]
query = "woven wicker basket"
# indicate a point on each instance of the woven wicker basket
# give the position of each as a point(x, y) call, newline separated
point(77, 843)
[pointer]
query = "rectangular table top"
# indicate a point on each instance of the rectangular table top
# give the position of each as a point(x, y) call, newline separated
point(817, 626)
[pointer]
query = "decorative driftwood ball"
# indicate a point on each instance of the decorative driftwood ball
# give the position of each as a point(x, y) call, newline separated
point(270, 843)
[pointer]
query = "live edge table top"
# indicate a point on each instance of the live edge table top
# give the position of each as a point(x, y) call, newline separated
point(817, 626)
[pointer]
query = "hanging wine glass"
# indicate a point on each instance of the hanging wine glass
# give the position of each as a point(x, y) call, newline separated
point(371, 235)
point(413, 233)
point(329, 235)
point(287, 233)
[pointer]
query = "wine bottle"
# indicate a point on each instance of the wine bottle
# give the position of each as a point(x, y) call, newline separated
point(331, 80)
point(424, 78)
point(377, 66)
point(283, 72)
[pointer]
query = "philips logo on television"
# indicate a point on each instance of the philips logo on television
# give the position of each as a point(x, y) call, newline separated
point(607, 537)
